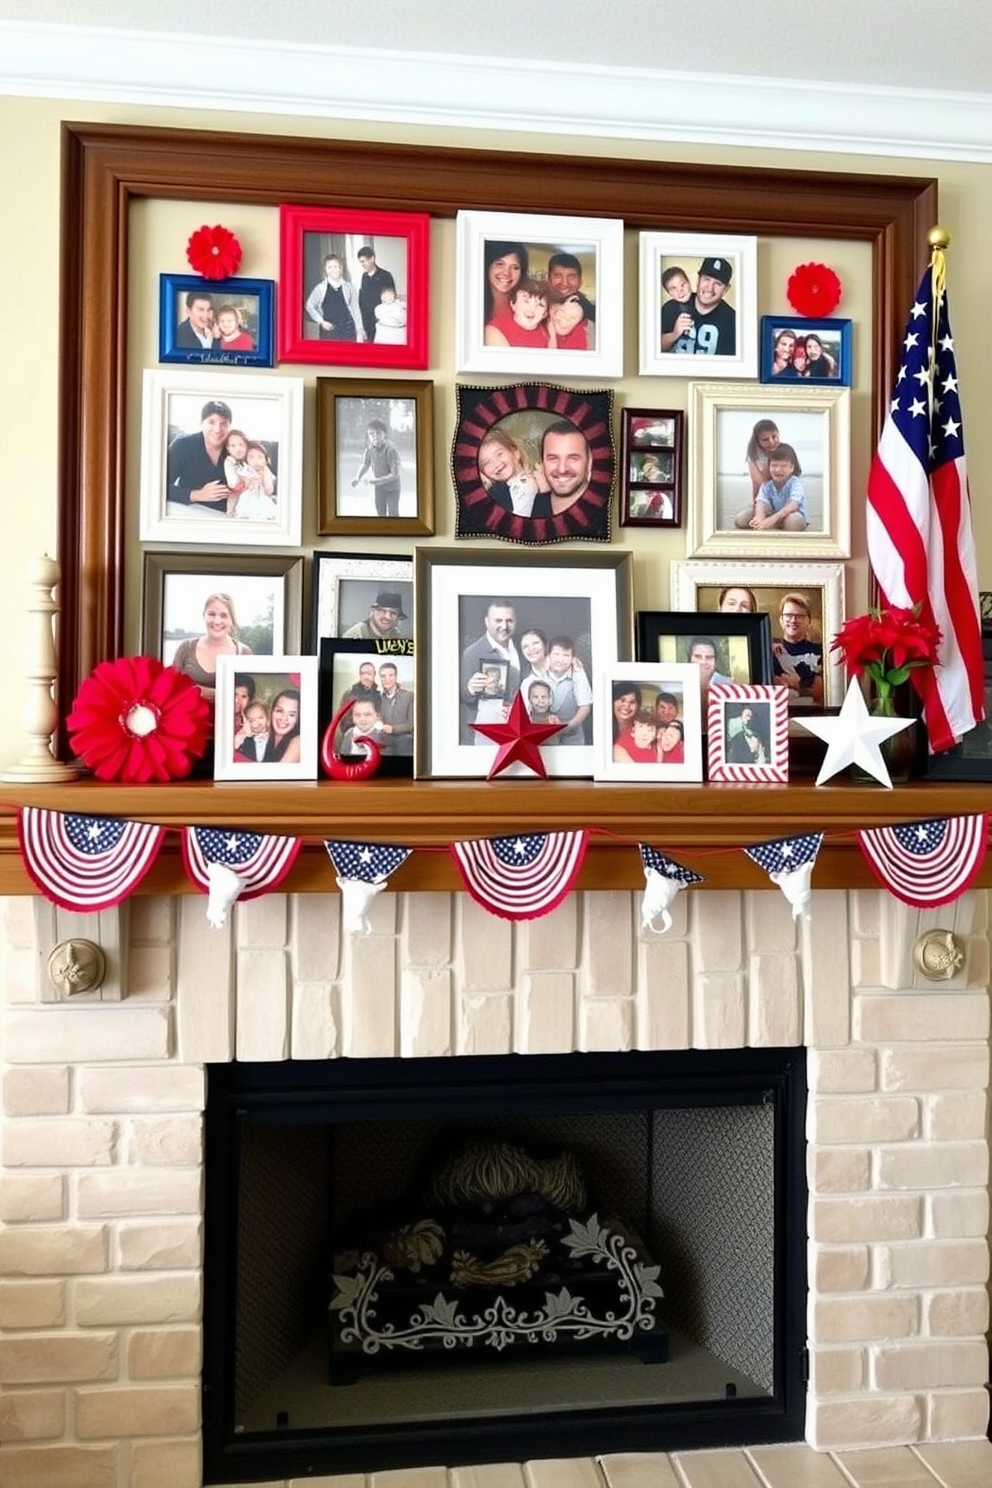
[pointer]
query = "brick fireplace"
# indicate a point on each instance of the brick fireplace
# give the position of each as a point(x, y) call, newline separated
point(101, 1191)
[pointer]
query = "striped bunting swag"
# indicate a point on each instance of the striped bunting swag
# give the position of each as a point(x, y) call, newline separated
point(927, 863)
point(85, 863)
point(523, 877)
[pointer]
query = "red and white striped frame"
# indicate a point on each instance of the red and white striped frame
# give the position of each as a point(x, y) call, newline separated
point(772, 711)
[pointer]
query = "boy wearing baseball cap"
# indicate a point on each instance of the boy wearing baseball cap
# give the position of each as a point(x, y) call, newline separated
point(704, 325)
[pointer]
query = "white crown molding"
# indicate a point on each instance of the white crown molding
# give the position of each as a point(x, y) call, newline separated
point(41, 60)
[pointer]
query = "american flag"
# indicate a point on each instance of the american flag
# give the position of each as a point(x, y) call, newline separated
point(85, 862)
point(522, 877)
point(920, 542)
point(927, 863)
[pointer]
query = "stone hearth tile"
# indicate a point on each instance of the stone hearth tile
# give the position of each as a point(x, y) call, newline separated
point(795, 1466)
point(493, 1475)
point(723, 1469)
point(559, 1472)
point(639, 1470)
point(886, 1467)
point(966, 1464)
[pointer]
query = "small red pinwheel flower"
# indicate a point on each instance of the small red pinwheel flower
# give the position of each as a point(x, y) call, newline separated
point(813, 290)
point(136, 720)
point(213, 252)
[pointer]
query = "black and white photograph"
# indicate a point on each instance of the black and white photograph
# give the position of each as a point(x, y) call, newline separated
point(362, 596)
point(375, 457)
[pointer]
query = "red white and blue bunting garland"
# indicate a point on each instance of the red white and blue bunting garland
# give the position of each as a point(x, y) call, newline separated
point(663, 878)
point(363, 870)
point(521, 877)
point(88, 863)
point(927, 863)
point(232, 865)
point(789, 861)
point(85, 863)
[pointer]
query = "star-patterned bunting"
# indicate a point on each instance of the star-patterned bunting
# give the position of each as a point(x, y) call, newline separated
point(85, 863)
point(518, 739)
point(852, 737)
point(789, 863)
point(663, 878)
point(363, 869)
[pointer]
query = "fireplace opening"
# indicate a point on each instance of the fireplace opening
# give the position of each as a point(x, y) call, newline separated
point(632, 1279)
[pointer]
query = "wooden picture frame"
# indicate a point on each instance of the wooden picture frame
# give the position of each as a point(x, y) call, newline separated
point(241, 312)
point(698, 312)
point(109, 169)
point(266, 591)
point(651, 467)
point(464, 678)
point(830, 362)
point(549, 442)
point(811, 425)
point(353, 498)
point(308, 238)
point(747, 731)
point(556, 263)
point(265, 414)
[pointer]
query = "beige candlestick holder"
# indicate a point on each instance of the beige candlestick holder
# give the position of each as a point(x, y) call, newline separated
point(40, 711)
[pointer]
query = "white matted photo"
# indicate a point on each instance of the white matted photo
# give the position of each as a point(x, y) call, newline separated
point(698, 311)
point(539, 295)
point(806, 605)
point(747, 734)
point(769, 470)
point(221, 459)
point(489, 628)
point(277, 736)
point(655, 714)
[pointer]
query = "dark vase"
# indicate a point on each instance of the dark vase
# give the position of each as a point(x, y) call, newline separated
point(899, 752)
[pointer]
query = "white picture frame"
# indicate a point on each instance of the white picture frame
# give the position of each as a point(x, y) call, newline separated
point(272, 676)
point(596, 243)
point(267, 410)
point(697, 583)
point(584, 595)
point(662, 252)
point(652, 679)
point(811, 422)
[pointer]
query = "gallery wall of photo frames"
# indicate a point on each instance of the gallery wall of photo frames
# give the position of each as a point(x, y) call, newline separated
point(398, 424)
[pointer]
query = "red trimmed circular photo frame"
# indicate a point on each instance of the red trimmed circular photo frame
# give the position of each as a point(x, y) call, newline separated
point(533, 463)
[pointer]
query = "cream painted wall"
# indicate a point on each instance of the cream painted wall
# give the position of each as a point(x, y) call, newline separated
point(29, 187)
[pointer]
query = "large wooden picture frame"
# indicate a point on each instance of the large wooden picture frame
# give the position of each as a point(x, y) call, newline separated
point(108, 168)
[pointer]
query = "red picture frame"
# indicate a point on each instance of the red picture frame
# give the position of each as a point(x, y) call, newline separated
point(309, 237)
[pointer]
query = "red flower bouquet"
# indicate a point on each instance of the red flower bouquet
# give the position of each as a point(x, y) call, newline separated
point(886, 645)
point(213, 252)
point(813, 291)
point(136, 720)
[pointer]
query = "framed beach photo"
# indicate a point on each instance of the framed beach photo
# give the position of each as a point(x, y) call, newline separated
point(362, 596)
point(375, 458)
point(729, 648)
point(698, 305)
point(539, 296)
point(381, 686)
point(262, 595)
point(769, 471)
point(221, 459)
point(533, 463)
point(797, 350)
point(747, 731)
point(488, 625)
point(651, 467)
point(806, 604)
point(353, 287)
point(276, 738)
point(655, 723)
point(222, 322)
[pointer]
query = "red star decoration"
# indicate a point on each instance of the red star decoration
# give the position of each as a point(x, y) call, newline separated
point(518, 739)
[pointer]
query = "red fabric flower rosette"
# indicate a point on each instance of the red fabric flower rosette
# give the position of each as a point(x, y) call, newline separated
point(136, 720)
point(213, 252)
point(813, 291)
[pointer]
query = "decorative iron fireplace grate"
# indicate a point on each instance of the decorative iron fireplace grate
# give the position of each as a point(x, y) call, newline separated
point(702, 1153)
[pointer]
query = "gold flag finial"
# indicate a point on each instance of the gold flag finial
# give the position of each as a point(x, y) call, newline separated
point(938, 237)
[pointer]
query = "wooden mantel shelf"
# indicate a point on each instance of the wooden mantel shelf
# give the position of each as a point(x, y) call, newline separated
point(703, 826)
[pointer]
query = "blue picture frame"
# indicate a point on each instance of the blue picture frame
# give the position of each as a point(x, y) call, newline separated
point(834, 337)
point(252, 300)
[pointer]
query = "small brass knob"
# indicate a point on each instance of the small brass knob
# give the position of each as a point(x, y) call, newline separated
point(938, 955)
point(76, 966)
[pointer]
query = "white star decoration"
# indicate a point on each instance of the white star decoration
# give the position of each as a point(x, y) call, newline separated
point(853, 737)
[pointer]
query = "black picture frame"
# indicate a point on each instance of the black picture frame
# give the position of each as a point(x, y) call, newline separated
point(972, 758)
point(340, 659)
point(522, 413)
point(253, 301)
point(655, 629)
point(651, 466)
